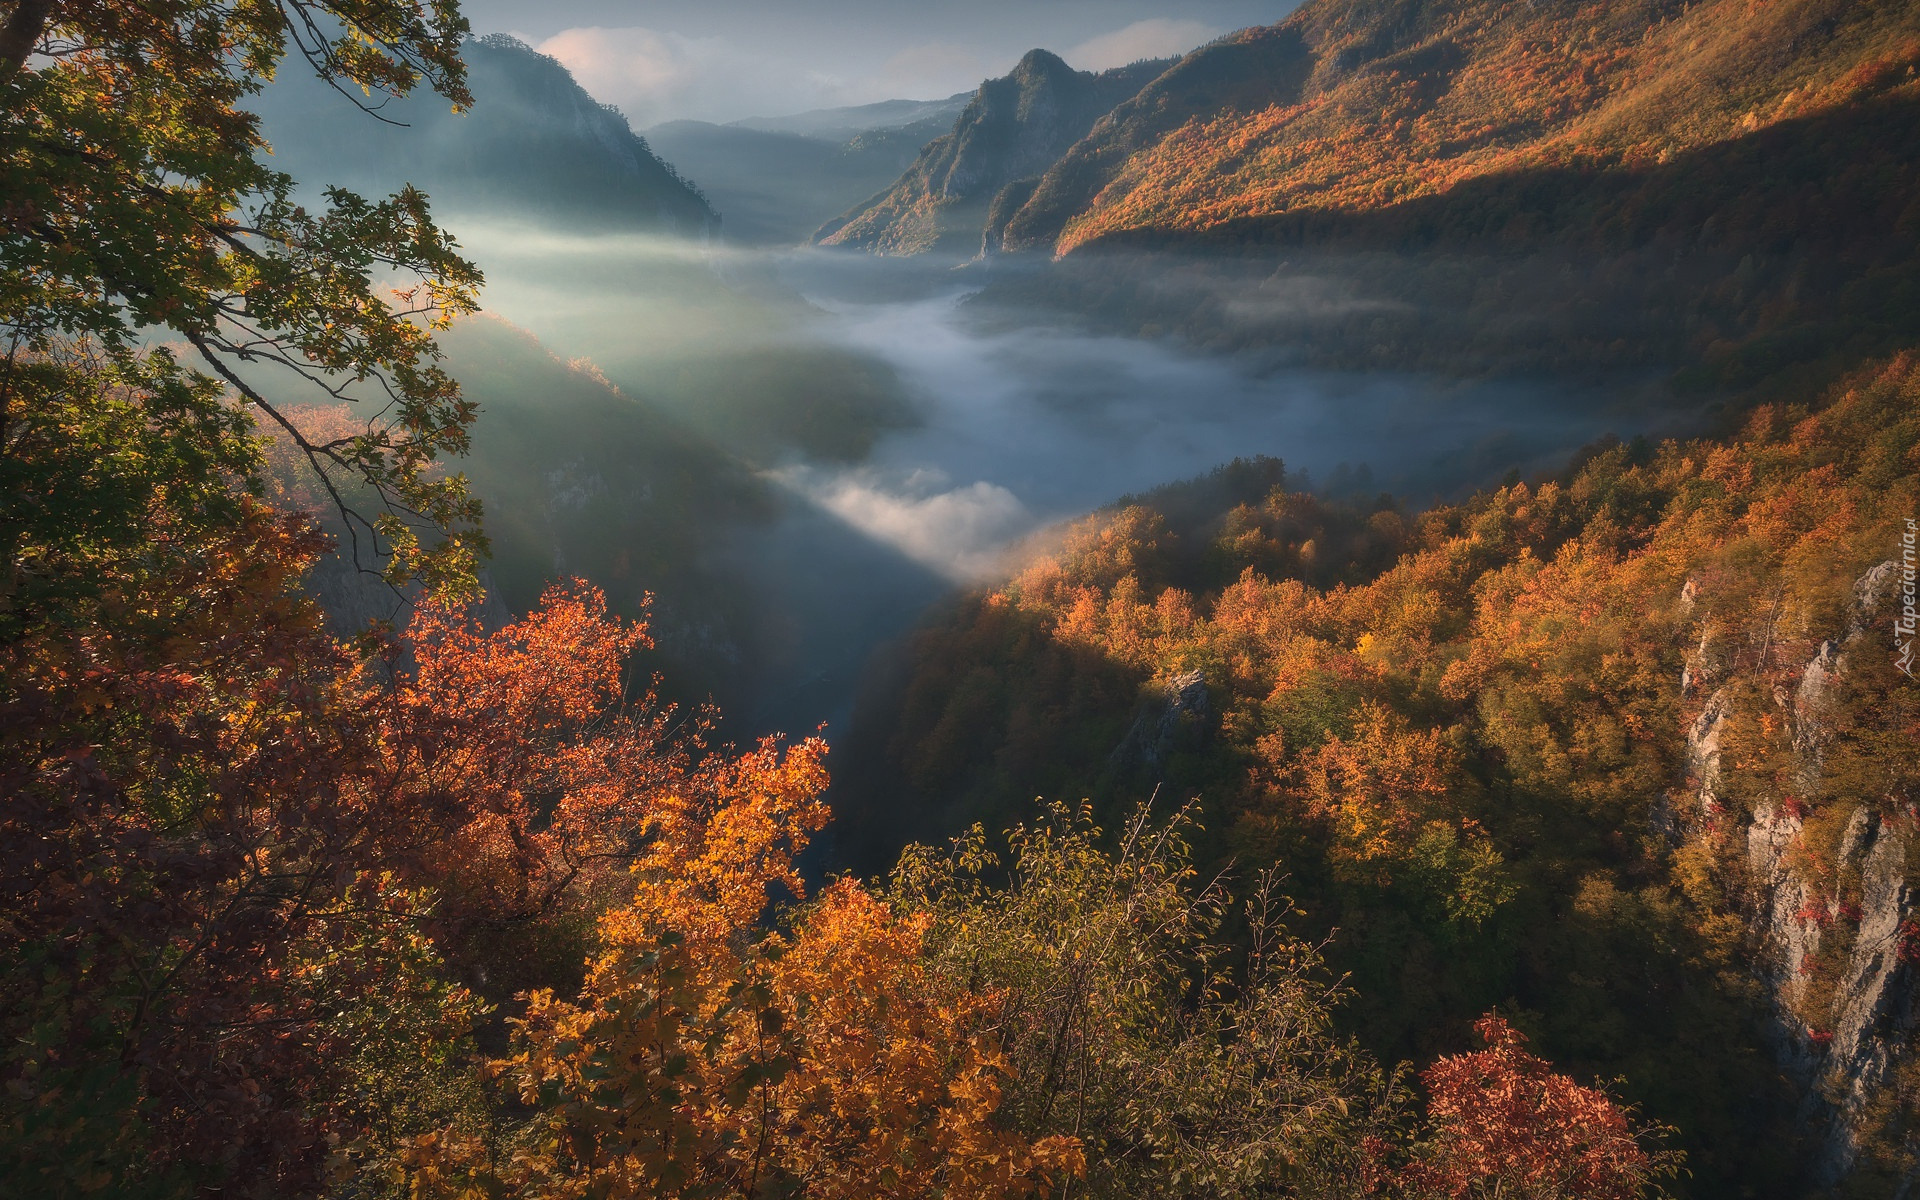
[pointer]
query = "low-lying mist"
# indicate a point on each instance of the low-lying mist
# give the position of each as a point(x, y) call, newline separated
point(911, 438)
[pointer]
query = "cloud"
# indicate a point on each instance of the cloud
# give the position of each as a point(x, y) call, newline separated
point(658, 75)
point(1156, 37)
point(961, 532)
point(655, 75)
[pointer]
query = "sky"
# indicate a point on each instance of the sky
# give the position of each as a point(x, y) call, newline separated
point(722, 60)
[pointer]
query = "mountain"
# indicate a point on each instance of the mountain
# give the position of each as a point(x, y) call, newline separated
point(776, 186)
point(839, 125)
point(1357, 105)
point(1013, 129)
point(1723, 190)
point(535, 148)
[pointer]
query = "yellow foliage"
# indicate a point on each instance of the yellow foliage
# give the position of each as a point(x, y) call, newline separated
point(705, 1056)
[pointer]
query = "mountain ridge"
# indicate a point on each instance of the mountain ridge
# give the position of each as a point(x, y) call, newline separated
point(1013, 128)
point(535, 147)
point(1364, 103)
point(847, 122)
point(775, 187)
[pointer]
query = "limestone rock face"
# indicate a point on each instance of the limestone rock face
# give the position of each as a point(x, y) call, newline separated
point(1841, 1045)
point(1172, 715)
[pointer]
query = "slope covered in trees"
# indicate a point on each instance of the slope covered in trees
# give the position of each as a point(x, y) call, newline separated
point(1723, 188)
point(534, 149)
point(1602, 748)
point(1358, 105)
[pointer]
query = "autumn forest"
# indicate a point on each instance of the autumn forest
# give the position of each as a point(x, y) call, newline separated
point(1326, 615)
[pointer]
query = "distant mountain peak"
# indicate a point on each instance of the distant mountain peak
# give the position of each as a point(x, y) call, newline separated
point(1012, 128)
point(1039, 62)
point(843, 124)
point(534, 147)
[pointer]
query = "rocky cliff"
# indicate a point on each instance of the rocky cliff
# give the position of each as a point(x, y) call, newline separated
point(1014, 129)
point(1828, 897)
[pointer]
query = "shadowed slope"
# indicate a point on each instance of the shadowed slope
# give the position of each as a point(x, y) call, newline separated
point(1014, 128)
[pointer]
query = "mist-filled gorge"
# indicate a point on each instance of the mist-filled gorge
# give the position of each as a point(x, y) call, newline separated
point(992, 601)
point(900, 440)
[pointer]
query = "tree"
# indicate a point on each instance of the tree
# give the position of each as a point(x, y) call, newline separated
point(1505, 1125)
point(137, 207)
point(199, 888)
point(214, 860)
point(1183, 1069)
point(709, 1056)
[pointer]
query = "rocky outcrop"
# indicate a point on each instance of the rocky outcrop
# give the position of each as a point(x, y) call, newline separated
point(1834, 937)
point(1014, 128)
point(1173, 715)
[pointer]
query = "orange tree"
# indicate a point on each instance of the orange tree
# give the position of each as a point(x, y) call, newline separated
point(246, 869)
point(709, 1056)
point(1505, 1125)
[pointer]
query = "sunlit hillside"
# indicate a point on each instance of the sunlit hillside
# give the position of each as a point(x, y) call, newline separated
point(1359, 106)
point(1620, 747)
point(1013, 129)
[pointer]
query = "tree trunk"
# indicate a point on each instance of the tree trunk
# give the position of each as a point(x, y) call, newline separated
point(22, 33)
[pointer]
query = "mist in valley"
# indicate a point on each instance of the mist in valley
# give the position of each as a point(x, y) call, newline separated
point(789, 456)
point(906, 438)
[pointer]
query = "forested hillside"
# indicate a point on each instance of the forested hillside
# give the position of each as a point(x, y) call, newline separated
point(1725, 189)
point(1355, 107)
point(535, 148)
point(1625, 749)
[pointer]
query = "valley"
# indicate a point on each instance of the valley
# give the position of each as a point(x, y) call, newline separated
point(1311, 608)
point(912, 406)
point(903, 443)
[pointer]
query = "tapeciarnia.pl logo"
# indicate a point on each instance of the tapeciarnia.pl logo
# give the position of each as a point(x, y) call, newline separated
point(1905, 621)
